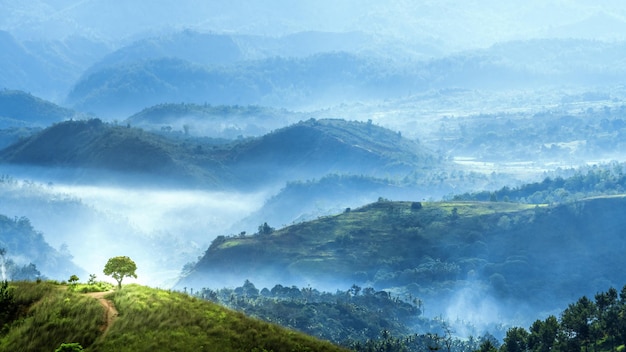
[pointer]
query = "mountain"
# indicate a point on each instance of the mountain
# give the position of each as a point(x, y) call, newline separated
point(502, 254)
point(81, 144)
point(93, 145)
point(602, 25)
point(228, 48)
point(314, 148)
point(137, 318)
point(22, 114)
point(18, 68)
point(199, 48)
point(307, 149)
point(326, 79)
point(283, 82)
point(46, 68)
point(18, 108)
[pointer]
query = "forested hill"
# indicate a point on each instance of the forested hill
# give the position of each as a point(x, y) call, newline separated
point(93, 144)
point(334, 77)
point(308, 149)
point(314, 148)
point(503, 250)
point(19, 109)
point(223, 121)
point(26, 255)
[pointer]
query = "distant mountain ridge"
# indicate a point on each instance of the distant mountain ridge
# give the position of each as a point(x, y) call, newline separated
point(45, 68)
point(308, 149)
point(221, 121)
point(18, 108)
point(85, 144)
point(331, 78)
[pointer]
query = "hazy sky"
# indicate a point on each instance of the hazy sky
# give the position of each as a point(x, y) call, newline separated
point(454, 24)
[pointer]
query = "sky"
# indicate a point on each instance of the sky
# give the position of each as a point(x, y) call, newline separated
point(455, 25)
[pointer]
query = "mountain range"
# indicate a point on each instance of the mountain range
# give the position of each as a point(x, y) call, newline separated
point(311, 148)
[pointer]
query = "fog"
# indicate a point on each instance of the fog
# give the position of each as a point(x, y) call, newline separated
point(193, 214)
point(161, 229)
point(452, 24)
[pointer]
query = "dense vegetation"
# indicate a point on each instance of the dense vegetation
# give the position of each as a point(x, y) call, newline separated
point(596, 324)
point(43, 316)
point(584, 182)
point(342, 317)
point(361, 319)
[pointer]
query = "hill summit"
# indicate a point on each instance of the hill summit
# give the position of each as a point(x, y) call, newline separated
point(42, 316)
point(507, 251)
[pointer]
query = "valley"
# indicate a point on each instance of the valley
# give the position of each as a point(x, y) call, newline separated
point(377, 176)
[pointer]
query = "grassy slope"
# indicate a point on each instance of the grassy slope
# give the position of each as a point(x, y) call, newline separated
point(380, 235)
point(512, 250)
point(149, 320)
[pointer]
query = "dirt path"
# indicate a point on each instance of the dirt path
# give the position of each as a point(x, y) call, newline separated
point(110, 313)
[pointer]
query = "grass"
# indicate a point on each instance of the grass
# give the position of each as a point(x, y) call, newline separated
point(99, 286)
point(149, 320)
point(51, 315)
point(170, 321)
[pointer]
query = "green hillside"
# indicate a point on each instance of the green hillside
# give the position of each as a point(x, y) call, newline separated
point(505, 250)
point(42, 316)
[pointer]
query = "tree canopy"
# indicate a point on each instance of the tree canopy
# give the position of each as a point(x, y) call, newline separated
point(119, 268)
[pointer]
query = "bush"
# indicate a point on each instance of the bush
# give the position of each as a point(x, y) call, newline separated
point(69, 347)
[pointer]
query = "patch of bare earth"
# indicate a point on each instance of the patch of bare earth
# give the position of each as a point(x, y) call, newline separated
point(110, 313)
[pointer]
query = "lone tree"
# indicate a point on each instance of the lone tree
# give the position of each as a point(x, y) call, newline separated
point(119, 268)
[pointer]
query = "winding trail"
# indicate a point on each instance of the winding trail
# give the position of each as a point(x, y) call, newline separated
point(110, 313)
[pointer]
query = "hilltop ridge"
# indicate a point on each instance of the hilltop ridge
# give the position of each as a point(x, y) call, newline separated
point(149, 319)
point(432, 249)
point(311, 148)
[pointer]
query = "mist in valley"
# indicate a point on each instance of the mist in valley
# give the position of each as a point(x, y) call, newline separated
point(161, 228)
point(220, 123)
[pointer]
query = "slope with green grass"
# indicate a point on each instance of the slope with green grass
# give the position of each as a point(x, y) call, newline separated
point(149, 320)
point(539, 255)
